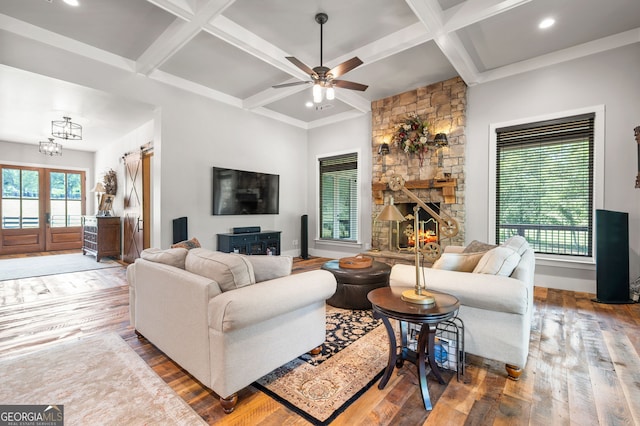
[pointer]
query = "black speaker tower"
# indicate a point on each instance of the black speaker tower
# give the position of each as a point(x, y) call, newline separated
point(179, 229)
point(304, 236)
point(612, 257)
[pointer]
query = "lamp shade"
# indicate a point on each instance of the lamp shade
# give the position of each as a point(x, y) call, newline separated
point(390, 212)
point(441, 139)
point(98, 188)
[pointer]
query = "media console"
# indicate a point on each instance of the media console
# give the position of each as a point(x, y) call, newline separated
point(265, 242)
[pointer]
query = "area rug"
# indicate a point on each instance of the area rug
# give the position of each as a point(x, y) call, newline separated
point(37, 266)
point(97, 380)
point(320, 388)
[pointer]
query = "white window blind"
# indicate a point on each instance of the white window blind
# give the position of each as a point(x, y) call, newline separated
point(339, 197)
point(544, 184)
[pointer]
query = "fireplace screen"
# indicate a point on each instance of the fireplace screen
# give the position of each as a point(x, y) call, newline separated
point(428, 227)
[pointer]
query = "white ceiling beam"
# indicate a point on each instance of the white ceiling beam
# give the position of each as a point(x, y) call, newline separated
point(430, 14)
point(232, 33)
point(353, 99)
point(586, 49)
point(181, 8)
point(29, 31)
point(179, 33)
point(281, 117)
point(347, 115)
point(392, 44)
point(196, 88)
point(472, 11)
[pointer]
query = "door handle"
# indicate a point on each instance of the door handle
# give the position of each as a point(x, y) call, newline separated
point(140, 223)
point(47, 218)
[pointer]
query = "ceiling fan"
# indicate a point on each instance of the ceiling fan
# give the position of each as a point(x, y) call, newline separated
point(322, 77)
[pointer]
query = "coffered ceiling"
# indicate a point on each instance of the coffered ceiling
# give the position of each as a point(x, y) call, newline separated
point(234, 51)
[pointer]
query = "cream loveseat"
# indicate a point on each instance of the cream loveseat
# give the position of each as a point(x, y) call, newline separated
point(495, 288)
point(227, 319)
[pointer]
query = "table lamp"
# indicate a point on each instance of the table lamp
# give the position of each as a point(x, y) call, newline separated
point(390, 213)
point(448, 228)
point(99, 190)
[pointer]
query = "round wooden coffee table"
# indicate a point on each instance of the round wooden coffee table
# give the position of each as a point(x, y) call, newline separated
point(387, 303)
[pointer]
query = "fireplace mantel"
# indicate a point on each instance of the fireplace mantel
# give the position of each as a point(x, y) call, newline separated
point(448, 187)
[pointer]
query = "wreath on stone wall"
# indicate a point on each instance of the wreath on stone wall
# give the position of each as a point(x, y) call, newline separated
point(412, 136)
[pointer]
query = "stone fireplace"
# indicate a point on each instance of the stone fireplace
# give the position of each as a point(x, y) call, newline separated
point(439, 181)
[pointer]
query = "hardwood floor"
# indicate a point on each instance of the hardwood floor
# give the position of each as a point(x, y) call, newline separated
point(583, 367)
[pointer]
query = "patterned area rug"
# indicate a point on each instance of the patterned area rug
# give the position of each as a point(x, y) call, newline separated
point(98, 380)
point(319, 388)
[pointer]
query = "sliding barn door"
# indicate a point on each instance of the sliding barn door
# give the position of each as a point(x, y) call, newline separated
point(133, 219)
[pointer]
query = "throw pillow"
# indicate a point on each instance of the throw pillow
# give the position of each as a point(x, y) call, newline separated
point(498, 261)
point(229, 270)
point(173, 256)
point(462, 262)
point(188, 244)
point(270, 267)
point(517, 243)
point(476, 246)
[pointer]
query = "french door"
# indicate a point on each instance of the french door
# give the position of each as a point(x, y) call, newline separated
point(40, 209)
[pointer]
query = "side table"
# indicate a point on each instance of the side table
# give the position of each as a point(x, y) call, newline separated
point(355, 284)
point(387, 303)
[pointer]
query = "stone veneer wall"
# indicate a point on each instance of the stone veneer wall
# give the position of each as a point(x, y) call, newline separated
point(443, 106)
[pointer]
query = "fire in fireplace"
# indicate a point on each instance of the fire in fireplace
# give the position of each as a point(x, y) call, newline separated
point(428, 226)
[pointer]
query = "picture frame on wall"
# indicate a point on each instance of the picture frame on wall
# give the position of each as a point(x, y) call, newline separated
point(106, 205)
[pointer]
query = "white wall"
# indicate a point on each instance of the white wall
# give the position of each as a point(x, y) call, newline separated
point(345, 136)
point(611, 79)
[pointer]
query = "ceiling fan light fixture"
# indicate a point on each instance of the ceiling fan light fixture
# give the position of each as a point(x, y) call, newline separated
point(331, 93)
point(317, 93)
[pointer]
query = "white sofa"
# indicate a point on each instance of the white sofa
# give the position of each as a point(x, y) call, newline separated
point(227, 319)
point(496, 309)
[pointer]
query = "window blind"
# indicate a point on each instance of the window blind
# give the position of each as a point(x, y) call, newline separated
point(339, 197)
point(544, 184)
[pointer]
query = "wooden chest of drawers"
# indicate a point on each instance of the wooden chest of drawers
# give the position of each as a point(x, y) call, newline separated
point(101, 236)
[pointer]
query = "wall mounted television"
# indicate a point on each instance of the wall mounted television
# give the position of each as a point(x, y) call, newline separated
point(239, 192)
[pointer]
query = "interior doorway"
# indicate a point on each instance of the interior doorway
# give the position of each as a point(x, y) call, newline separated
point(40, 209)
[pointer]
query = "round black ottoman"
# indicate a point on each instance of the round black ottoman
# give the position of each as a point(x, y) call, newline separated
point(354, 284)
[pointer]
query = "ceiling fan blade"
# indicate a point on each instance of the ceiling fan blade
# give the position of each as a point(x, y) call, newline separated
point(295, 83)
point(344, 84)
point(302, 66)
point(345, 67)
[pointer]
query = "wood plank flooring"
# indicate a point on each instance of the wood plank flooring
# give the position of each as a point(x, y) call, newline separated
point(583, 367)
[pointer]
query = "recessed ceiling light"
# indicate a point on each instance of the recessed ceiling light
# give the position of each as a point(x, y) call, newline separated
point(546, 23)
point(71, 2)
point(309, 104)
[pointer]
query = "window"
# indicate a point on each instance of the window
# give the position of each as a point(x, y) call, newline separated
point(339, 197)
point(545, 184)
point(65, 193)
point(20, 198)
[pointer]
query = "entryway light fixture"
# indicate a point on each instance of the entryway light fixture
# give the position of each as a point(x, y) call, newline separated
point(50, 147)
point(66, 129)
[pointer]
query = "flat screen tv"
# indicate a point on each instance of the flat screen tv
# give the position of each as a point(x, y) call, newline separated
point(237, 192)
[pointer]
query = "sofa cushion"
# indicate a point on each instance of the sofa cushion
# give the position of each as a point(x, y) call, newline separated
point(188, 244)
point(172, 257)
point(498, 261)
point(517, 243)
point(267, 268)
point(463, 262)
point(476, 246)
point(229, 270)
